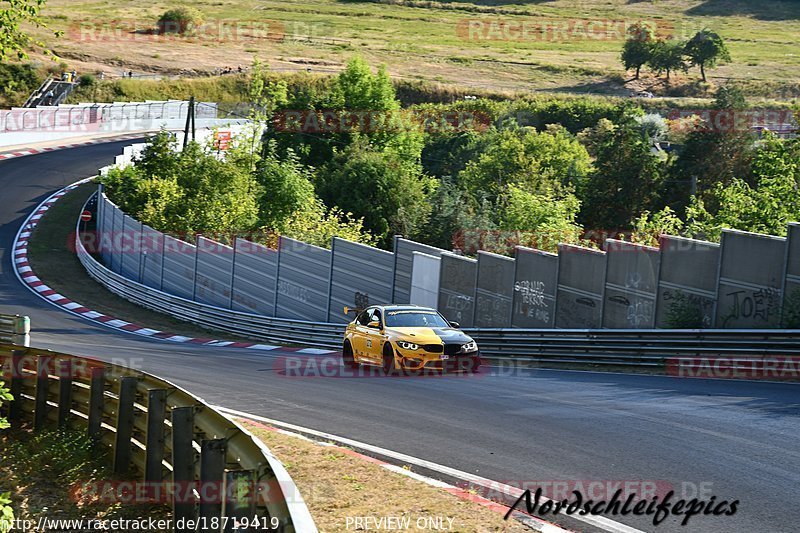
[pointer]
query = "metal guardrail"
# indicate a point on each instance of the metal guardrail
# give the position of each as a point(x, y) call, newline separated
point(15, 329)
point(610, 347)
point(636, 347)
point(183, 451)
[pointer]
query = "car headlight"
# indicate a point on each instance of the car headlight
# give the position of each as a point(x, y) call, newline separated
point(407, 345)
point(469, 347)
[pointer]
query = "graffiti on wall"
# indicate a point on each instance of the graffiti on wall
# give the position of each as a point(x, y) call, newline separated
point(757, 305)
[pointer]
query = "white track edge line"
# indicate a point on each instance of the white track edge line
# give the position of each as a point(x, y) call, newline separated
point(597, 521)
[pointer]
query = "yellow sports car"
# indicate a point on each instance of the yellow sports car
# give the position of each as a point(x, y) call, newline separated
point(407, 337)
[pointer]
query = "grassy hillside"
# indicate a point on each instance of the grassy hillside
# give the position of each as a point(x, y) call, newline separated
point(431, 40)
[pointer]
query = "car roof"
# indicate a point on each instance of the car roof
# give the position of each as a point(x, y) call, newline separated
point(406, 307)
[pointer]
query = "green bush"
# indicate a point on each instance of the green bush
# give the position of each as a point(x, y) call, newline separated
point(6, 513)
point(18, 81)
point(87, 80)
point(684, 312)
point(180, 20)
point(791, 310)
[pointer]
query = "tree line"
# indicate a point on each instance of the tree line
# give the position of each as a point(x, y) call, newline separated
point(666, 56)
point(535, 171)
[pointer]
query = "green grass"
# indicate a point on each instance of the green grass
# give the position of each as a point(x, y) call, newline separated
point(45, 471)
point(420, 39)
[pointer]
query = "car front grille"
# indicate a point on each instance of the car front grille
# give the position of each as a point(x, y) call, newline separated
point(452, 349)
point(432, 348)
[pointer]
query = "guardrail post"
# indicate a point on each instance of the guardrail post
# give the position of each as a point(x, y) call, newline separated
point(183, 461)
point(22, 325)
point(240, 499)
point(64, 391)
point(156, 412)
point(17, 362)
point(43, 363)
point(20, 330)
point(96, 400)
point(122, 443)
point(212, 467)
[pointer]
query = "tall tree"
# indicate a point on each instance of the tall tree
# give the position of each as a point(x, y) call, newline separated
point(389, 193)
point(705, 49)
point(626, 181)
point(638, 47)
point(537, 161)
point(357, 105)
point(668, 57)
point(765, 205)
point(717, 150)
point(14, 16)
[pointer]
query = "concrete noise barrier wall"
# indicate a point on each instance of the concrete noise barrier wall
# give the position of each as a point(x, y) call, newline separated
point(751, 278)
point(631, 285)
point(425, 280)
point(535, 284)
point(130, 249)
point(403, 268)
point(360, 276)
point(105, 223)
point(687, 282)
point(494, 291)
point(747, 281)
point(303, 280)
point(179, 267)
point(255, 276)
point(214, 274)
point(152, 257)
point(791, 290)
point(117, 234)
point(581, 285)
point(457, 288)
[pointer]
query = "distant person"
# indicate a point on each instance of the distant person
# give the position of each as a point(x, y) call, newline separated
point(64, 76)
point(73, 76)
point(130, 74)
point(48, 97)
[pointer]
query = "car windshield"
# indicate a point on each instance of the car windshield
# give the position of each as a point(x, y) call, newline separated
point(411, 319)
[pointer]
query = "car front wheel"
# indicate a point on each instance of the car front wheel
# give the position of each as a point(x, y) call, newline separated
point(347, 356)
point(389, 366)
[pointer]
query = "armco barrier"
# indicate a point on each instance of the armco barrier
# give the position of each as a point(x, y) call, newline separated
point(153, 429)
point(648, 348)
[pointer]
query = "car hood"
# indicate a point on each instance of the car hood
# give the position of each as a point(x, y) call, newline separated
point(433, 335)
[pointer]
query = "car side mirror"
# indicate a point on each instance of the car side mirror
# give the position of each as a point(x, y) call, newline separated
point(374, 324)
point(455, 325)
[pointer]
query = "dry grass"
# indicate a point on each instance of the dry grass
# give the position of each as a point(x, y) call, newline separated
point(420, 40)
point(336, 484)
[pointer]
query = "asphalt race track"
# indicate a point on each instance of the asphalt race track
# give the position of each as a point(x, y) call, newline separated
point(733, 440)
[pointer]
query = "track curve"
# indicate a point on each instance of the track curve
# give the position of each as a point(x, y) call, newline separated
point(738, 440)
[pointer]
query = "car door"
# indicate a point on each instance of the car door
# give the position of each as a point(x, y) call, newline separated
point(374, 337)
point(359, 338)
